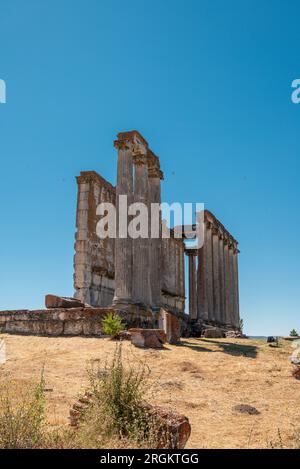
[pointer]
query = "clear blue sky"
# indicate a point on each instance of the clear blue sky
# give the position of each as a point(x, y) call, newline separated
point(208, 83)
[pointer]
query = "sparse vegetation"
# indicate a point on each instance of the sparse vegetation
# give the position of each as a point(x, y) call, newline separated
point(112, 325)
point(22, 418)
point(293, 333)
point(241, 324)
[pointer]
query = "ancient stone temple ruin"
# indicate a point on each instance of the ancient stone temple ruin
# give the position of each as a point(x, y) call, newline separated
point(145, 274)
point(143, 279)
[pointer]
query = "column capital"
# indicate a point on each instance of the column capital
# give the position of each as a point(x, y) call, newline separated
point(154, 170)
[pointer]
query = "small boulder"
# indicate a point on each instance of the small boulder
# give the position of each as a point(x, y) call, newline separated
point(173, 429)
point(54, 302)
point(245, 409)
point(148, 338)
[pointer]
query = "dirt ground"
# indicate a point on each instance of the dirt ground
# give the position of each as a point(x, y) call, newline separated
point(202, 378)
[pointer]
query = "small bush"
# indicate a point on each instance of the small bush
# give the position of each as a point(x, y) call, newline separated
point(117, 409)
point(293, 333)
point(22, 415)
point(112, 325)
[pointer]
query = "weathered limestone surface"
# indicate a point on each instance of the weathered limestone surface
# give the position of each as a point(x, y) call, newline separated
point(148, 338)
point(53, 301)
point(171, 325)
point(94, 257)
point(155, 175)
point(69, 321)
point(141, 245)
point(173, 287)
point(213, 333)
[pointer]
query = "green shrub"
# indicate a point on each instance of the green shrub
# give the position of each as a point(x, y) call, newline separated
point(293, 333)
point(112, 324)
point(22, 415)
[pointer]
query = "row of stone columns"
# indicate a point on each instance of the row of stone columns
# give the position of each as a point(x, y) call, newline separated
point(137, 261)
point(213, 283)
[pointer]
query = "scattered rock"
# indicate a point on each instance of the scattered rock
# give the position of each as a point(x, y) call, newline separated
point(123, 335)
point(170, 384)
point(53, 301)
point(235, 335)
point(171, 325)
point(148, 338)
point(174, 429)
point(245, 409)
point(296, 371)
point(213, 333)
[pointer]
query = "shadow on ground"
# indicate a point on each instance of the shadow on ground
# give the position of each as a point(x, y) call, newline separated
point(238, 350)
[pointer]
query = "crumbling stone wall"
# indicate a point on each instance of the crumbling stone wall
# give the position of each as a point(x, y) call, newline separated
point(94, 257)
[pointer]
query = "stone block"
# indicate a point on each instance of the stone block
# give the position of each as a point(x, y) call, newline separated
point(213, 333)
point(73, 327)
point(148, 338)
point(171, 325)
point(53, 301)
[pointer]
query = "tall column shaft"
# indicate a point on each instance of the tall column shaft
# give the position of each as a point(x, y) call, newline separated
point(192, 284)
point(227, 284)
point(232, 286)
point(205, 277)
point(141, 246)
point(216, 276)
point(222, 282)
point(236, 289)
point(123, 245)
point(155, 243)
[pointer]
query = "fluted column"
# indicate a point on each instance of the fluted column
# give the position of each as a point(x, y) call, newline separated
point(227, 279)
point(205, 276)
point(222, 280)
point(192, 253)
point(236, 288)
point(141, 246)
point(155, 257)
point(123, 243)
point(232, 285)
point(216, 276)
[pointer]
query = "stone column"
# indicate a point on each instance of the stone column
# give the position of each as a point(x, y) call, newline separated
point(155, 257)
point(236, 288)
point(141, 246)
point(123, 243)
point(227, 282)
point(216, 275)
point(222, 280)
point(232, 285)
point(205, 276)
point(192, 253)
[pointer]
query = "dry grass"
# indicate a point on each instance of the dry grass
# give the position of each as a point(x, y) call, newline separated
point(205, 379)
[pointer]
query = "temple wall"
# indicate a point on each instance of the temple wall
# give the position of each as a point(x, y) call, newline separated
point(94, 257)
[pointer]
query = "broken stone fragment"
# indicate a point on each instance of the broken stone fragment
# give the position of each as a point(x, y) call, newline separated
point(148, 338)
point(173, 429)
point(53, 301)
